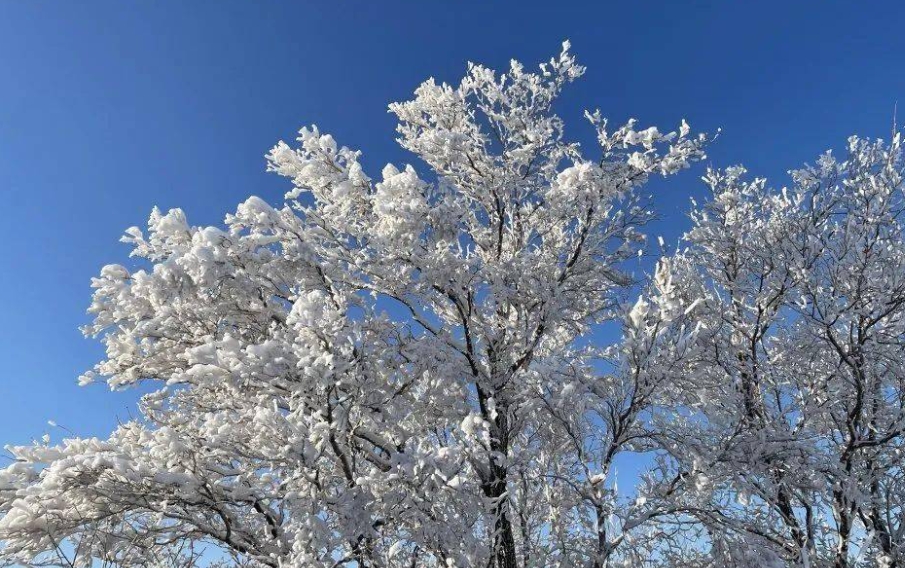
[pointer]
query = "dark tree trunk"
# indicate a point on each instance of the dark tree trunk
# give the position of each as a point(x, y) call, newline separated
point(503, 553)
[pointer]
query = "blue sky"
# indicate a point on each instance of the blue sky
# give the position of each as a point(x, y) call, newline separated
point(108, 108)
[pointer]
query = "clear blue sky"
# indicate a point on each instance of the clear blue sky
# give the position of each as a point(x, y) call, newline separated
point(109, 108)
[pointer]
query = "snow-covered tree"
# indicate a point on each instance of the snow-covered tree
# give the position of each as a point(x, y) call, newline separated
point(408, 371)
point(792, 436)
point(386, 372)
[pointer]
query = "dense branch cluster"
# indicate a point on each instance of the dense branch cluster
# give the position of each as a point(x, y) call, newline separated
point(408, 371)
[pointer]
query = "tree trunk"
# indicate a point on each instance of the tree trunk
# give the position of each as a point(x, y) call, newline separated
point(503, 554)
point(844, 521)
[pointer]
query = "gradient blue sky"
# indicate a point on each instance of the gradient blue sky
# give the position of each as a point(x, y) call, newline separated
point(108, 108)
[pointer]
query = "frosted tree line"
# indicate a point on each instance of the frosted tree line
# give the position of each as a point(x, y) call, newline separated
point(405, 370)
